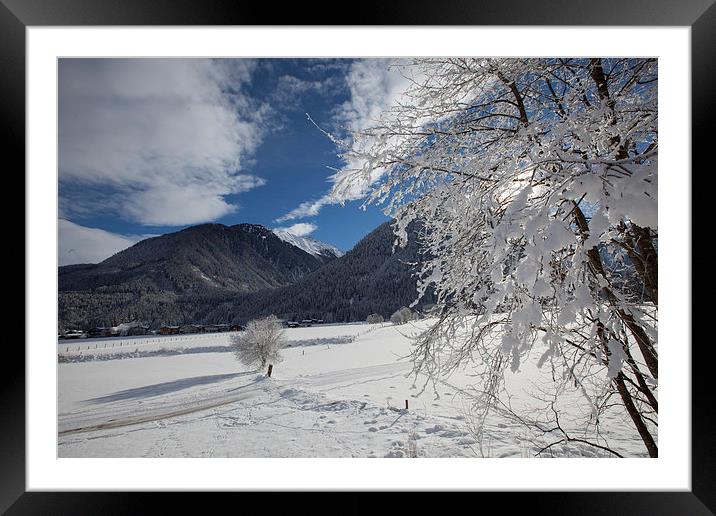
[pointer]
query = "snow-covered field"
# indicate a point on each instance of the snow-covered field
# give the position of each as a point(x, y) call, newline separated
point(339, 392)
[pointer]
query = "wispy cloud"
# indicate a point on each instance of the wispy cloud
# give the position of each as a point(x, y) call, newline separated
point(301, 229)
point(290, 90)
point(375, 85)
point(79, 244)
point(166, 139)
point(305, 209)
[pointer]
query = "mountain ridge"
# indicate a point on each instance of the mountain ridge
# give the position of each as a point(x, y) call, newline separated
point(162, 277)
point(213, 273)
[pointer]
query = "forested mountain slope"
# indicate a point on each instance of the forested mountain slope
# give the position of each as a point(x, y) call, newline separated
point(174, 278)
point(371, 278)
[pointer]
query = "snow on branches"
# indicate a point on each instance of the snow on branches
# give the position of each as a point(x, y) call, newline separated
point(260, 343)
point(535, 183)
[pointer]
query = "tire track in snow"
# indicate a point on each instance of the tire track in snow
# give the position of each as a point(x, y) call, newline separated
point(82, 423)
point(156, 415)
point(355, 373)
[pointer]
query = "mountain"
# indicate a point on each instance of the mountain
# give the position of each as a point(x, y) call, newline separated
point(310, 245)
point(218, 274)
point(371, 278)
point(168, 277)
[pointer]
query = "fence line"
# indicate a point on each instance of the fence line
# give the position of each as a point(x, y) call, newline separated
point(79, 347)
point(109, 343)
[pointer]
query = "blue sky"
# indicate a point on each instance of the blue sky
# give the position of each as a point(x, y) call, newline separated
point(150, 146)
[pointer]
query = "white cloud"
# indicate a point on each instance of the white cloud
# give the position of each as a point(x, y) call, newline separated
point(301, 229)
point(290, 89)
point(159, 206)
point(291, 85)
point(305, 209)
point(375, 86)
point(164, 136)
point(79, 244)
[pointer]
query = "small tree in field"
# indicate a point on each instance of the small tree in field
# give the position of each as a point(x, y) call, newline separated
point(375, 319)
point(402, 316)
point(261, 342)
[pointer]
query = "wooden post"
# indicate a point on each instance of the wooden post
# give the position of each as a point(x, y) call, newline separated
point(269, 370)
point(406, 404)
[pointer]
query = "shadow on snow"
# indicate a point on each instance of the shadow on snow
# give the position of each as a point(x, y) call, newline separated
point(164, 388)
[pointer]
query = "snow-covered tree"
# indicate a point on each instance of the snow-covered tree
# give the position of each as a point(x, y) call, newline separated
point(397, 317)
point(260, 343)
point(402, 315)
point(375, 319)
point(535, 181)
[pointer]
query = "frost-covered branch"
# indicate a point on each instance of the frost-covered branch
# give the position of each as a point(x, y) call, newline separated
point(535, 181)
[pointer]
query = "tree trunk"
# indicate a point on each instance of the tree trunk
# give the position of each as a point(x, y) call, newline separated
point(636, 416)
point(645, 346)
point(647, 261)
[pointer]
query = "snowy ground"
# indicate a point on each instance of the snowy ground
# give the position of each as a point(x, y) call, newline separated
point(339, 392)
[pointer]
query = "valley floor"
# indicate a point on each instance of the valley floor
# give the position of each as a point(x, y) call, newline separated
point(339, 392)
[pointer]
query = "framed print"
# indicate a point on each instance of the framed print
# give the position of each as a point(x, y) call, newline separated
point(278, 255)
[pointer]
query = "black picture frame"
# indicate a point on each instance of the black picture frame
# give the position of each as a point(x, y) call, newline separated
point(17, 15)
